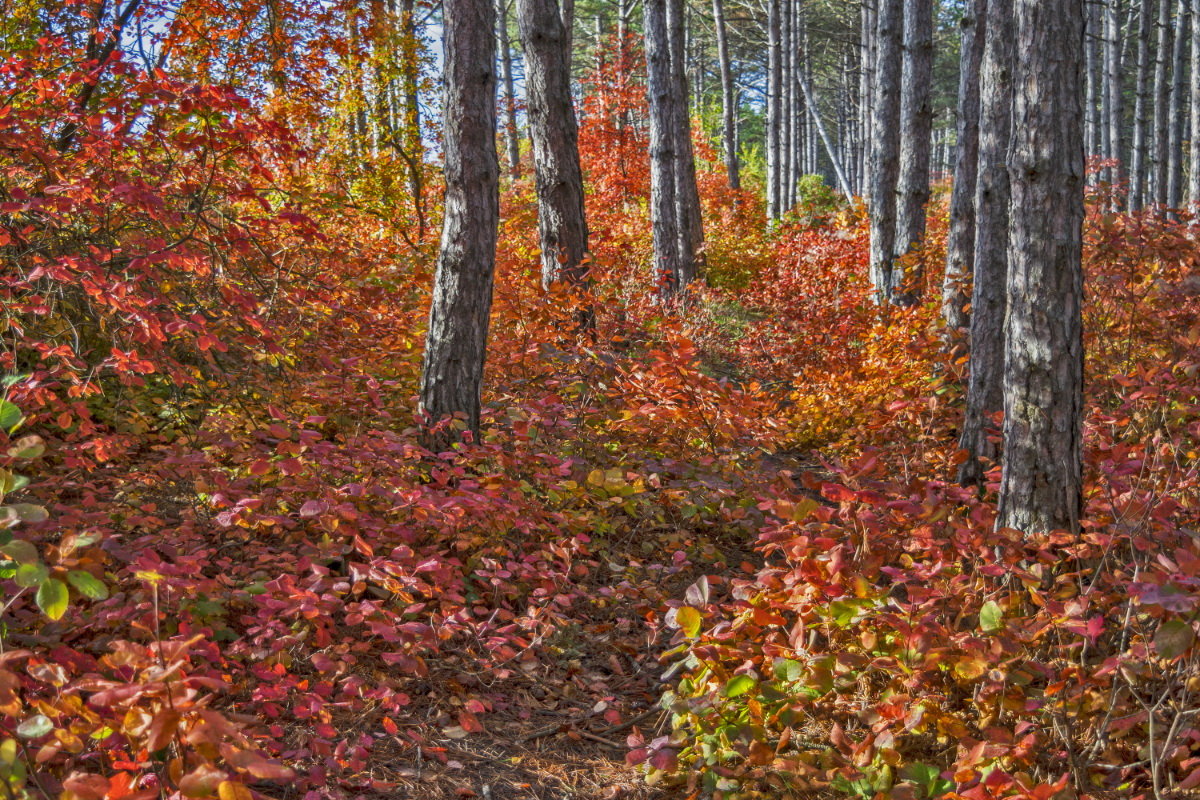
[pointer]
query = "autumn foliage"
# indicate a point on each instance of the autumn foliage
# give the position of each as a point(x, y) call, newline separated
point(231, 569)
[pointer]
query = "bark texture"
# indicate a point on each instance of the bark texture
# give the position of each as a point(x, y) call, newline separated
point(1162, 99)
point(562, 225)
point(1041, 485)
point(687, 193)
point(866, 94)
point(916, 127)
point(1177, 117)
point(674, 200)
point(729, 111)
point(512, 137)
point(1114, 106)
point(1095, 32)
point(774, 106)
point(885, 150)
point(1194, 163)
point(1141, 110)
point(985, 388)
point(960, 240)
point(456, 345)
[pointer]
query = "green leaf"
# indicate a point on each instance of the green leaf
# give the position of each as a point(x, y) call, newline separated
point(53, 599)
point(1174, 638)
point(31, 574)
point(844, 612)
point(787, 669)
point(20, 551)
point(991, 617)
point(87, 584)
point(10, 415)
point(689, 620)
point(739, 685)
point(35, 726)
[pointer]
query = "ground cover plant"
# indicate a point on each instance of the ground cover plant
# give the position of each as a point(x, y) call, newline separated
point(701, 546)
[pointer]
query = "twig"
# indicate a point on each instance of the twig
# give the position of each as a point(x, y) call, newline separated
point(629, 723)
point(551, 729)
point(608, 742)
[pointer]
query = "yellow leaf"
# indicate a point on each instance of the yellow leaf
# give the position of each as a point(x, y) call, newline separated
point(228, 790)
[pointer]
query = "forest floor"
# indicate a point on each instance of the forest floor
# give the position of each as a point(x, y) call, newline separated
point(709, 553)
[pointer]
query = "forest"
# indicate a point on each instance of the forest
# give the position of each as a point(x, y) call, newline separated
point(599, 399)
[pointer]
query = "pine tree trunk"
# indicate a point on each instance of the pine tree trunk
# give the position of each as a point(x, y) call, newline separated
point(1114, 108)
point(960, 239)
point(989, 274)
point(1177, 118)
point(567, 15)
point(1194, 159)
point(1162, 99)
point(729, 111)
point(512, 136)
point(916, 127)
point(1138, 171)
point(1095, 32)
point(774, 108)
point(885, 146)
point(787, 85)
point(555, 136)
point(866, 97)
point(1041, 486)
point(456, 345)
point(413, 148)
point(660, 88)
point(687, 193)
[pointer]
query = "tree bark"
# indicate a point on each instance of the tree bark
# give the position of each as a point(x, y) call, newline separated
point(412, 148)
point(1162, 99)
point(1194, 160)
point(512, 136)
point(456, 345)
point(568, 23)
point(669, 229)
point(1041, 484)
point(729, 110)
point(787, 117)
point(1140, 150)
point(988, 302)
point(1095, 31)
point(866, 96)
point(559, 181)
point(1177, 118)
point(687, 193)
point(885, 149)
point(960, 239)
point(1114, 108)
point(916, 127)
point(774, 108)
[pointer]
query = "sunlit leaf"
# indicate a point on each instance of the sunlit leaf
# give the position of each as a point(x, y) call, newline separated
point(87, 584)
point(52, 598)
point(35, 726)
point(689, 620)
point(31, 574)
point(10, 415)
point(991, 617)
